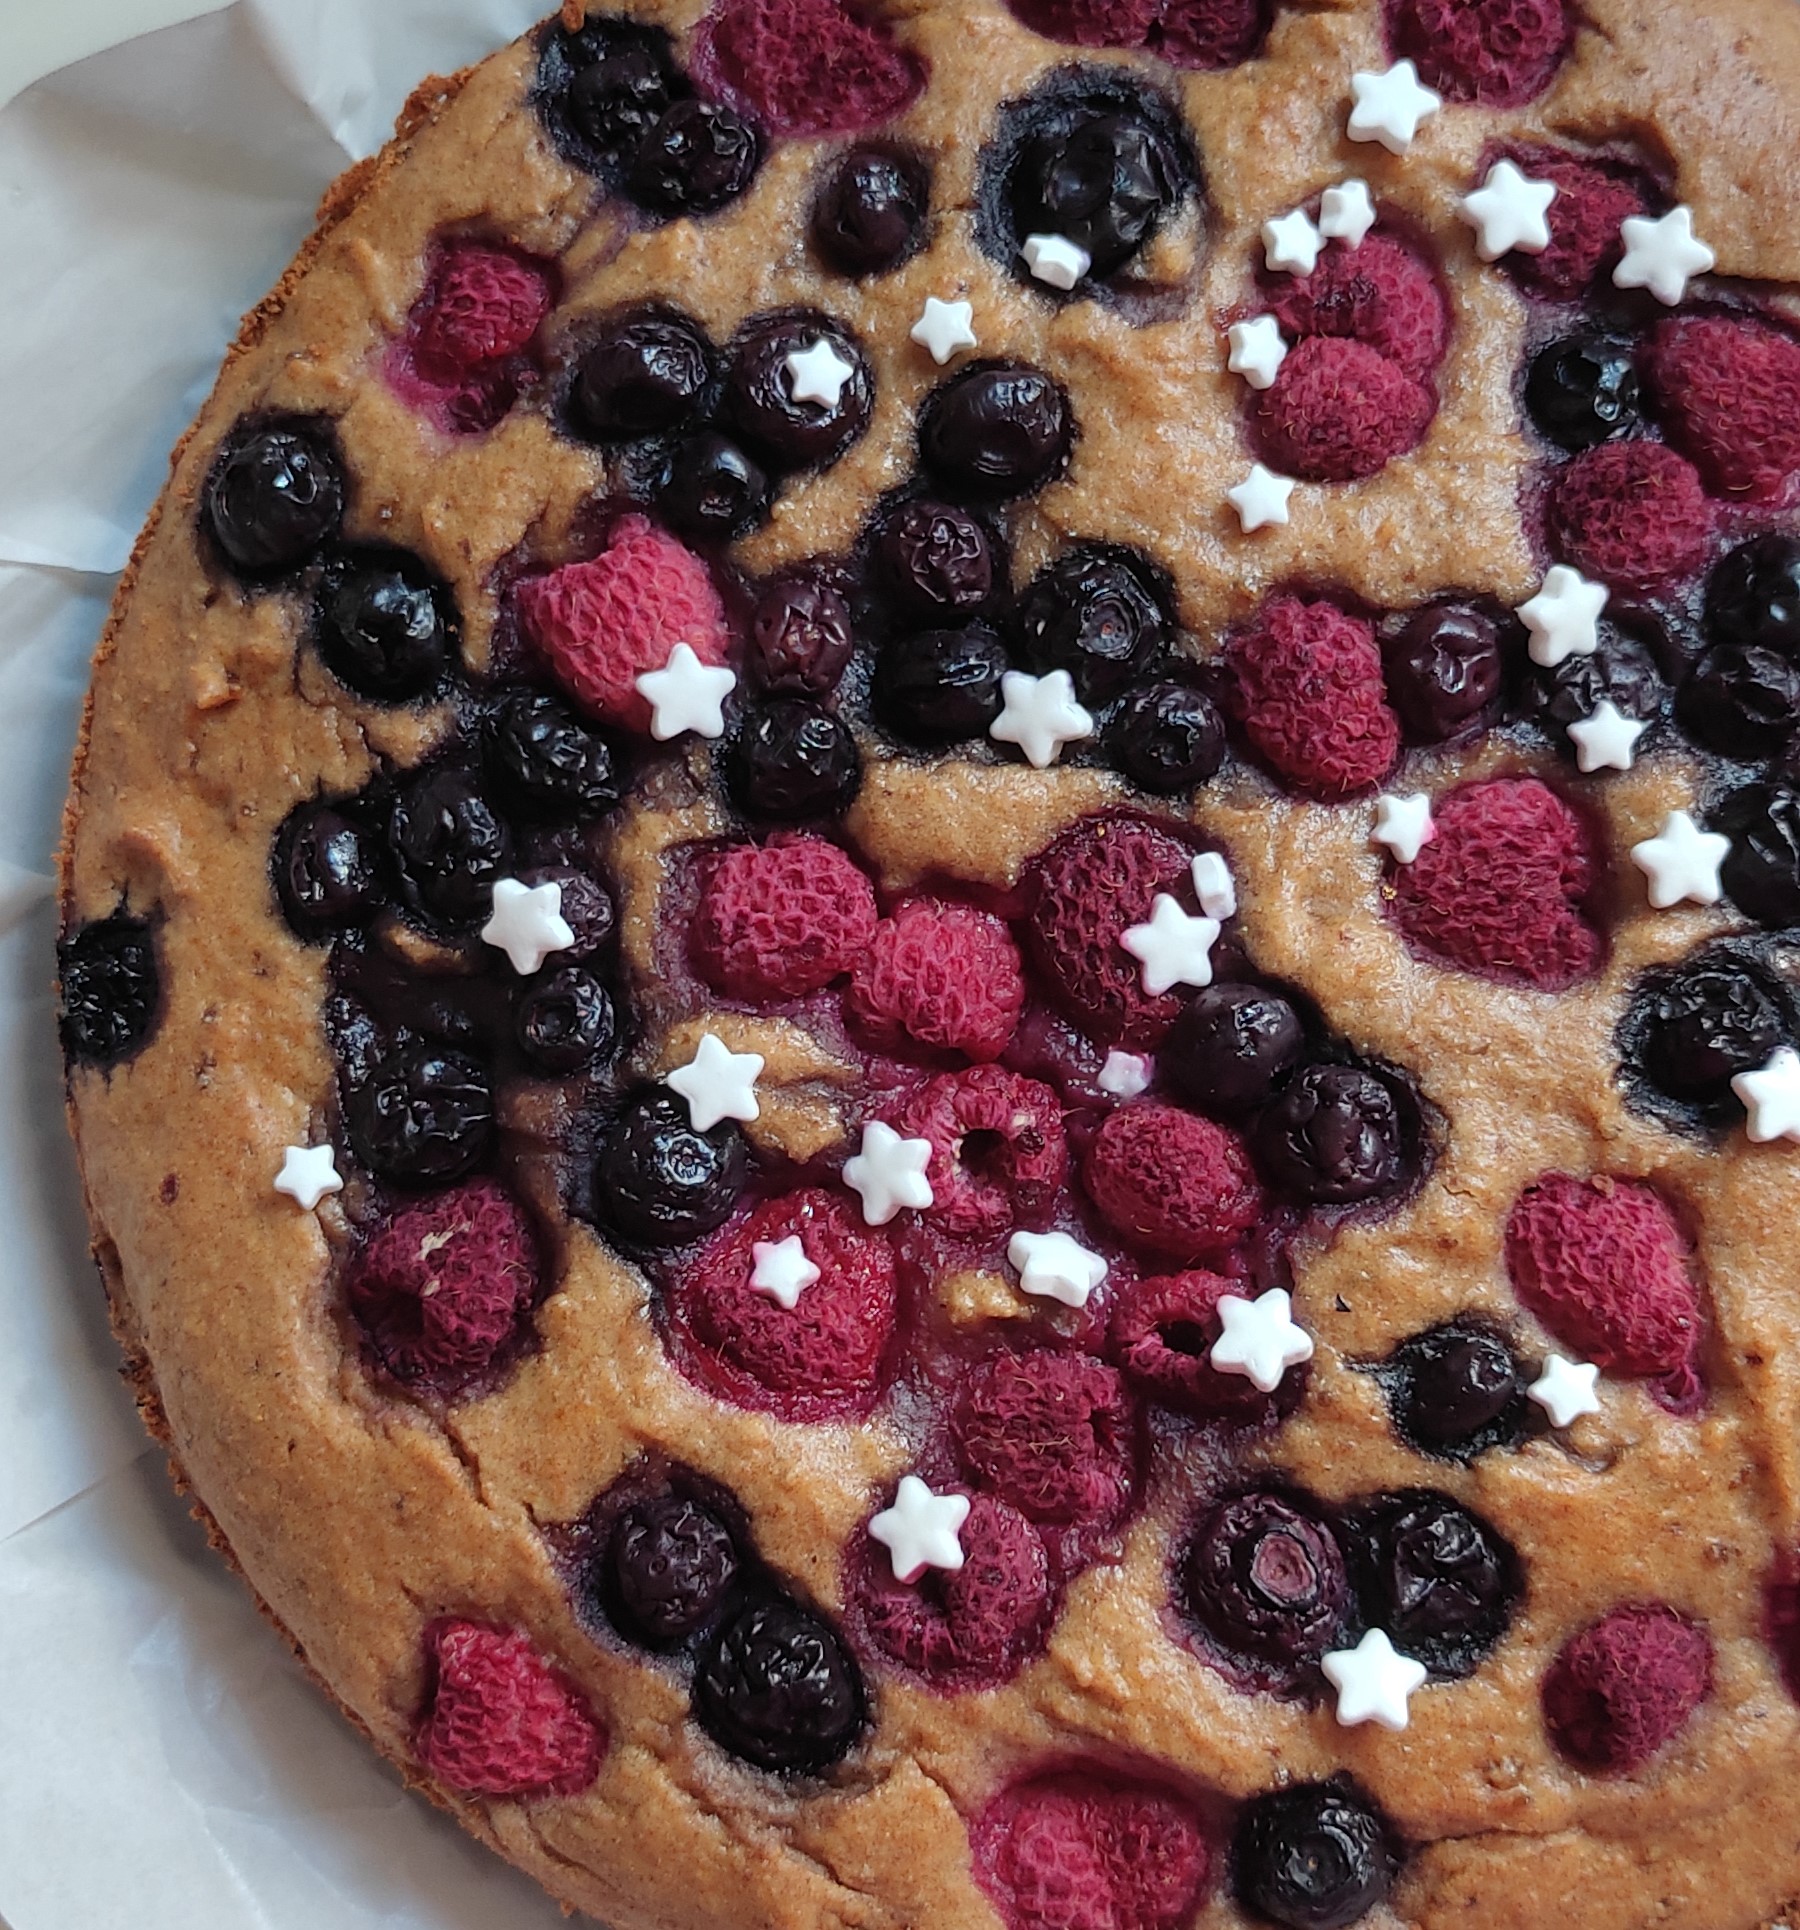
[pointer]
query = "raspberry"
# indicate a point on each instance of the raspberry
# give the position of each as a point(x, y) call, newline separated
point(1209, 34)
point(1499, 889)
point(1170, 1181)
point(1730, 395)
point(940, 975)
point(1306, 685)
point(1781, 1617)
point(822, 1356)
point(1050, 1433)
point(1631, 514)
point(1083, 893)
point(1089, 23)
point(500, 1720)
point(1010, 1175)
point(1497, 52)
point(807, 67)
point(1624, 1686)
point(443, 1286)
point(1339, 411)
point(1163, 1330)
point(1593, 199)
point(480, 305)
point(1380, 293)
point(1604, 1266)
point(780, 920)
point(602, 624)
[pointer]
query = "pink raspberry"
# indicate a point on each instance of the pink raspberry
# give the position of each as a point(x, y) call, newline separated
point(1203, 34)
point(1380, 292)
point(1023, 1158)
point(807, 67)
point(1500, 889)
point(1170, 1181)
point(481, 305)
point(1626, 1685)
point(444, 1285)
point(1498, 52)
point(1632, 514)
point(1307, 688)
point(1161, 1335)
point(780, 920)
point(500, 1720)
point(1052, 1434)
point(944, 976)
point(1593, 199)
point(600, 625)
point(1729, 390)
point(1339, 411)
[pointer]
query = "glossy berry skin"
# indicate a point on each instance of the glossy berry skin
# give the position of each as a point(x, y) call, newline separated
point(871, 214)
point(778, 1689)
point(565, 1021)
point(1435, 1576)
point(1753, 596)
point(546, 762)
point(1761, 873)
point(1741, 700)
point(792, 760)
point(1621, 672)
point(995, 431)
point(1692, 1030)
point(111, 990)
point(1334, 1137)
point(939, 563)
point(422, 1116)
point(699, 156)
point(1094, 614)
point(1313, 1856)
point(661, 1183)
point(800, 636)
point(1445, 669)
point(645, 376)
point(759, 402)
point(1456, 1391)
point(1105, 186)
point(1166, 738)
point(669, 1564)
point(1231, 1048)
point(327, 870)
point(274, 497)
point(1266, 1579)
point(450, 846)
point(711, 491)
point(940, 686)
point(384, 625)
point(1582, 391)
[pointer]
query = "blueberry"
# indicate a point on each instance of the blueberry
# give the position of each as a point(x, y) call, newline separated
point(697, 157)
point(870, 215)
point(940, 686)
point(384, 624)
point(111, 990)
point(1583, 390)
point(327, 870)
point(1621, 672)
point(712, 491)
point(1313, 1856)
point(546, 762)
point(1230, 1049)
point(939, 563)
point(1741, 700)
point(613, 102)
point(450, 845)
point(779, 1689)
point(1435, 1576)
point(1692, 1029)
point(1333, 1137)
point(800, 635)
point(1456, 1390)
point(645, 376)
point(1265, 1577)
point(565, 1021)
point(274, 497)
point(1444, 670)
point(422, 1116)
point(1753, 596)
point(1105, 185)
point(1095, 613)
point(792, 760)
point(1166, 738)
point(996, 431)
point(585, 906)
point(1761, 872)
point(661, 1181)
point(669, 1563)
point(760, 404)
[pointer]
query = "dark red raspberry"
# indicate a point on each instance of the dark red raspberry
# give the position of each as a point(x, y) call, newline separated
point(807, 67)
point(1209, 34)
point(998, 1155)
point(1339, 411)
point(1380, 292)
point(1626, 1685)
point(1162, 1331)
point(779, 920)
point(444, 1284)
point(600, 625)
point(1050, 1433)
point(1306, 685)
point(481, 305)
point(1497, 52)
point(940, 975)
point(1499, 890)
point(1593, 199)
point(500, 1720)
point(1781, 1617)
point(1603, 1264)
point(1089, 23)
point(1631, 514)
point(1171, 1182)
point(819, 1358)
point(1729, 389)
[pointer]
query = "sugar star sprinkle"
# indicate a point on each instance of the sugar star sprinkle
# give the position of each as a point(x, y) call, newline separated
point(1261, 1339)
point(1662, 255)
point(717, 1083)
point(685, 695)
point(1124, 1075)
point(1291, 243)
point(1213, 885)
point(781, 1269)
point(1261, 498)
point(1565, 1390)
point(1682, 862)
point(921, 1530)
point(1052, 1266)
point(1607, 740)
point(889, 1173)
point(1175, 948)
point(1040, 715)
point(818, 374)
point(1509, 211)
point(1347, 213)
point(307, 1174)
point(1056, 260)
point(1563, 619)
point(944, 328)
point(1772, 1098)
point(1373, 1682)
point(1258, 350)
point(1403, 824)
point(1390, 106)
point(527, 924)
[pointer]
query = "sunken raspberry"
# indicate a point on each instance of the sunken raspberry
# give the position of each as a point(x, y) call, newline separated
point(823, 1355)
point(481, 305)
point(1603, 1264)
point(1170, 1181)
point(1631, 514)
point(1050, 1433)
point(1339, 411)
point(1729, 389)
point(1497, 52)
point(600, 625)
point(940, 975)
point(1500, 888)
point(807, 67)
point(445, 1283)
point(1306, 685)
point(1626, 1685)
point(500, 1720)
point(1380, 292)
point(1083, 893)
point(780, 920)
point(1089, 23)
point(1593, 199)
point(1210, 34)
point(1161, 1334)
point(998, 1154)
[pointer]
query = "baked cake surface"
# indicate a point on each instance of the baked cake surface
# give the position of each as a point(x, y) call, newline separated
point(933, 1115)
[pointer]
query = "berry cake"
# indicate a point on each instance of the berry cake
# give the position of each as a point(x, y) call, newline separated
point(929, 961)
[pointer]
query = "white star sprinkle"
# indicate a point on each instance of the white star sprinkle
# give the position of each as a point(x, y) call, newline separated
point(818, 374)
point(1261, 1339)
point(527, 924)
point(1389, 107)
point(717, 1083)
point(1682, 862)
point(1662, 255)
point(781, 1269)
point(1291, 243)
point(1261, 498)
point(1057, 260)
point(1258, 350)
point(1213, 885)
point(1347, 213)
point(1606, 740)
point(1373, 1681)
point(1565, 1390)
point(1508, 211)
point(1040, 715)
point(1124, 1075)
point(944, 328)
point(1403, 824)
point(1564, 617)
point(889, 1173)
point(307, 1174)
point(1175, 948)
point(1772, 1098)
point(1054, 1267)
point(921, 1530)
point(685, 695)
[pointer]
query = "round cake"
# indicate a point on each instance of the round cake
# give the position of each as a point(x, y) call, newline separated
point(929, 961)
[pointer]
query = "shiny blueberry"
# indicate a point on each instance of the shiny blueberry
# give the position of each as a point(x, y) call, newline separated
point(384, 624)
point(546, 762)
point(938, 562)
point(1583, 390)
point(996, 431)
point(1761, 872)
point(779, 1689)
point(871, 214)
point(275, 497)
point(1094, 612)
point(1105, 185)
point(712, 491)
point(1741, 700)
point(1754, 595)
point(791, 760)
point(565, 1021)
point(585, 906)
point(1693, 1029)
point(661, 1181)
point(327, 870)
point(1265, 1577)
point(1313, 1856)
point(1334, 1136)
point(613, 102)
point(1435, 1576)
point(647, 375)
point(1456, 1389)
point(1166, 738)
point(111, 990)
point(697, 157)
point(450, 844)
point(422, 1116)
point(940, 686)
point(760, 401)
point(669, 1564)
point(1231, 1048)
point(1621, 672)
point(800, 635)
point(1444, 670)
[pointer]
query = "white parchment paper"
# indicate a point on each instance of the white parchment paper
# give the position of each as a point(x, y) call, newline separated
point(163, 1763)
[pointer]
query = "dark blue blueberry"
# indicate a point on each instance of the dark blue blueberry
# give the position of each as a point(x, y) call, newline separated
point(327, 869)
point(1106, 184)
point(646, 375)
point(871, 214)
point(1753, 596)
point(384, 624)
point(565, 1021)
point(546, 762)
point(661, 1181)
point(996, 431)
point(1230, 1049)
point(1265, 1578)
point(1445, 670)
point(698, 156)
point(110, 990)
point(1313, 1856)
point(759, 402)
point(1166, 738)
point(1094, 612)
point(792, 760)
point(1334, 1136)
point(274, 497)
point(1583, 390)
point(940, 686)
point(450, 845)
point(669, 1565)
point(711, 491)
point(421, 1116)
point(1435, 1576)
point(779, 1689)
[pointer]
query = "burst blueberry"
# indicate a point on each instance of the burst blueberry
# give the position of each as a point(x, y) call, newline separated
point(1265, 1577)
point(1106, 184)
point(1761, 872)
point(940, 564)
point(800, 635)
point(1435, 1576)
point(1741, 700)
point(1693, 1029)
point(1456, 1390)
point(1335, 1136)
